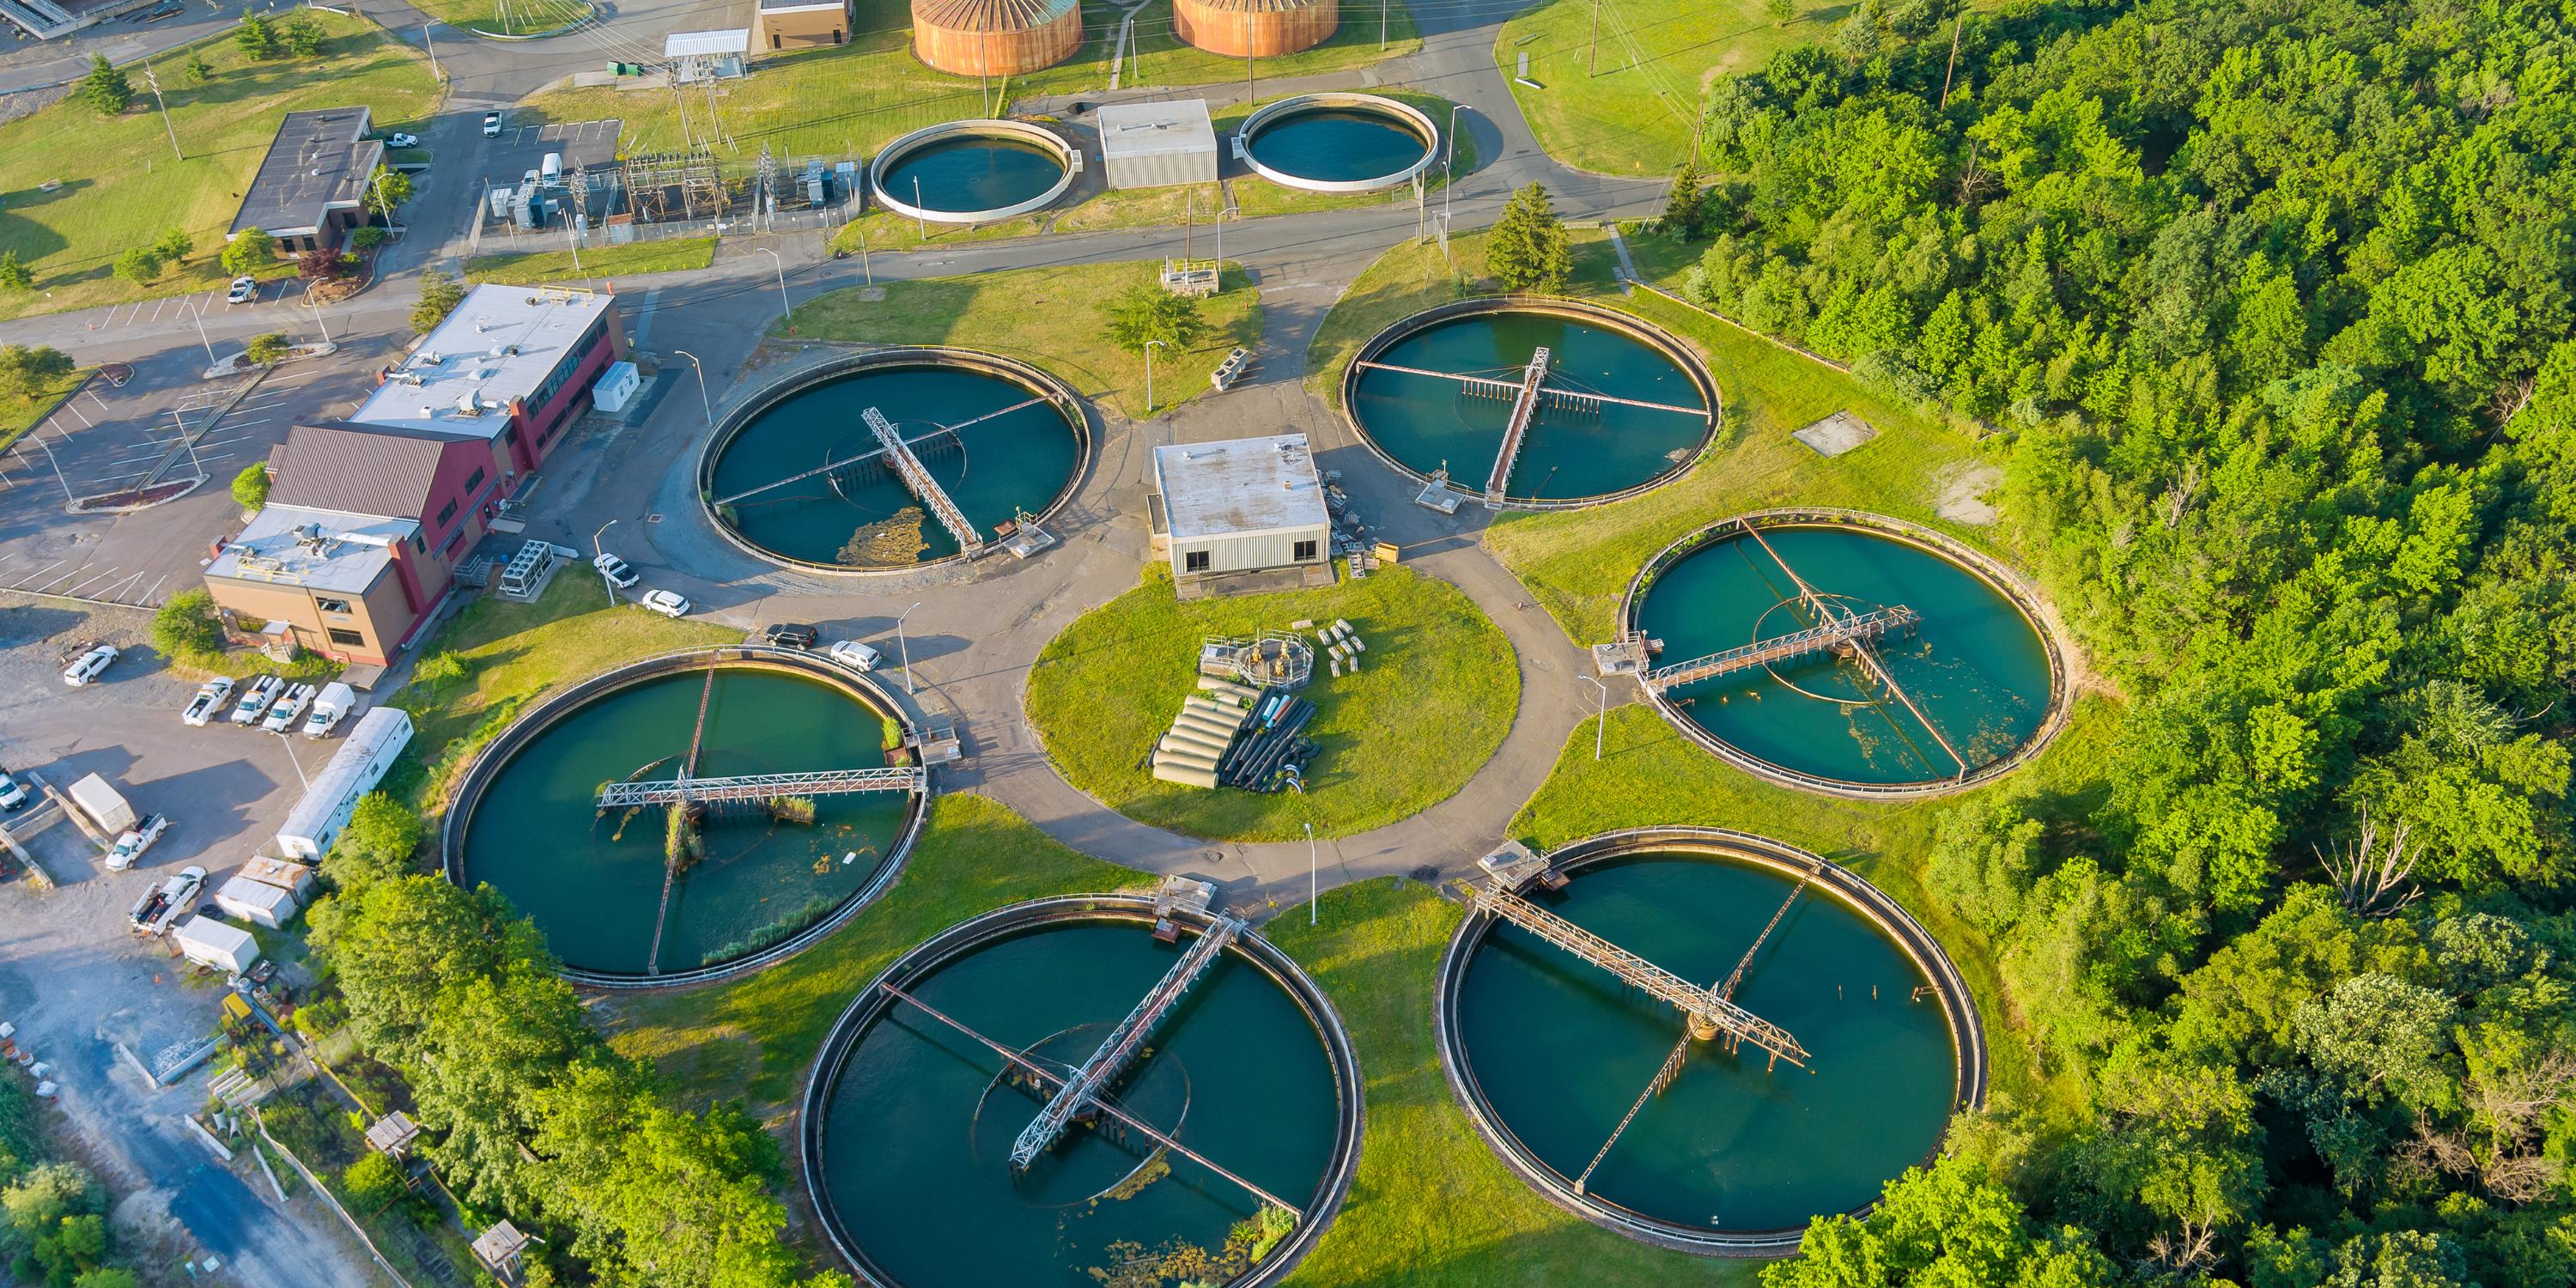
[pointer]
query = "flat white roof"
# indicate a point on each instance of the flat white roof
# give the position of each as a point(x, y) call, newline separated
point(1239, 487)
point(290, 545)
point(498, 346)
point(681, 44)
point(1155, 129)
point(210, 933)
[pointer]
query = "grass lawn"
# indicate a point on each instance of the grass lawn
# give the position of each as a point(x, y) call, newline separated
point(1048, 316)
point(1413, 277)
point(1436, 697)
point(513, 653)
point(20, 414)
point(755, 1037)
point(506, 17)
point(1163, 58)
point(121, 187)
point(1656, 62)
point(1431, 1206)
point(633, 259)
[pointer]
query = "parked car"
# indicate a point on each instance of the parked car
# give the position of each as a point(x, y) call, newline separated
point(330, 707)
point(245, 288)
point(619, 573)
point(789, 635)
point(854, 655)
point(13, 797)
point(667, 603)
point(136, 840)
point(89, 665)
point(158, 12)
point(255, 700)
point(491, 125)
point(399, 139)
point(210, 699)
point(289, 705)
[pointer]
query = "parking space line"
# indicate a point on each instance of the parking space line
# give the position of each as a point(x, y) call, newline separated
point(110, 594)
point(92, 579)
point(38, 573)
point(39, 586)
point(150, 596)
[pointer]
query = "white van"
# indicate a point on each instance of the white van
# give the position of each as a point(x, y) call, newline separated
point(551, 169)
point(332, 707)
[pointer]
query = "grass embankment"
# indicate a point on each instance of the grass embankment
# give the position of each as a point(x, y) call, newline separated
point(1161, 57)
point(506, 17)
point(1633, 116)
point(1431, 1206)
point(512, 653)
point(1436, 693)
point(122, 188)
point(756, 1036)
point(20, 414)
point(1052, 317)
point(1413, 277)
point(633, 259)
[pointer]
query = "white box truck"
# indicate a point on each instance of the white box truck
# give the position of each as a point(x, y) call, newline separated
point(371, 749)
point(102, 804)
point(209, 942)
point(332, 707)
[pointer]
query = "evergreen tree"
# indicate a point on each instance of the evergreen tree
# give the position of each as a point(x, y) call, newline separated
point(199, 70)
point(440, 293)
point(256, 35)
point(13, 272)
point(1686, 215)
point(303, 37)
point(105, 88)
point(1529, 249)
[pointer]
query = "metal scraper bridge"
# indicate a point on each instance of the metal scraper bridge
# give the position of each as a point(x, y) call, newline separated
point(1528, 393)
point(757, 787)
point(1836, 635)
point(1091, 1081)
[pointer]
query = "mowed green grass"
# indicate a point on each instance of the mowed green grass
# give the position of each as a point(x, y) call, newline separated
point(20, 414)
point(1160, 57)
point(1630, 112)
point(1431, 1207)
point(506, 17)
point(1052, 317)
point(756, 1037)
point(121, 186)
point(1435, 694)
point(633, 259)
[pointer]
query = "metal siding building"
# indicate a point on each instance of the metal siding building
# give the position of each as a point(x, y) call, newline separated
point(1240, 506)
point(1159, 144)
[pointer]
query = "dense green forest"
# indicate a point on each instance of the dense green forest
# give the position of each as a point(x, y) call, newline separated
point(2272, 301)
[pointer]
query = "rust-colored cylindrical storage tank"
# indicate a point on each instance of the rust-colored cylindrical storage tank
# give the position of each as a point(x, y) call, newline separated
point(1261, 28)
point(995, 37)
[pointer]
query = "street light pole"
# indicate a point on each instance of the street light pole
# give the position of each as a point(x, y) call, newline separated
point(1150, 346)
point(1311, 865)
point(1449, 164)
point(599, 560)
point(1603, 718)
point(290, 759)
point(905, 646)
point(317, 315)
point(784, 306)
point(198, 312)
point(702, 383)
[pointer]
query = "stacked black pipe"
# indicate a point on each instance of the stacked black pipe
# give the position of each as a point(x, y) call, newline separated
point(1272, 740)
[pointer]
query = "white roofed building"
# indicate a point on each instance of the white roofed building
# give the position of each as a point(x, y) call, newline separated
point(513, 365)
point(1239, 506)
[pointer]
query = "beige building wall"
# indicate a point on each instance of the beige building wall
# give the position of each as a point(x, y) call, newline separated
point(378, 618)
point(777, 30)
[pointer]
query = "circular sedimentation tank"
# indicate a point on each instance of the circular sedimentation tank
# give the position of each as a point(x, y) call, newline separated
point(1258, 28)
point(995, 37)
point(909, 1121)
point(972, 172)
point(1957, 683)
point(1621, 408)
point(1728, 1152)
point(1338, 142)
point(795, 473)
point(755, 882)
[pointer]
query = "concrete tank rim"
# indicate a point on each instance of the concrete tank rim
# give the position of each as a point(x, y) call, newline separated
point(743, 409)
point(496, 755)
point(1405, 113)
point(869, 1006)
point(2025, 598)
point(1853, 891)
point(1068, 158)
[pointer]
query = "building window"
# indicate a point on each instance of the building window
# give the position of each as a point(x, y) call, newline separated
point(1194, 561)
point(339, 636)
point(1305, 552)
point(773, 40)
point(446, 512)
point(474, 480)
point(329, 605)
point(417, 545)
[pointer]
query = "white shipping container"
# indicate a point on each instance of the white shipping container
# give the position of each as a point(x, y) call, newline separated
point(208, 942)
point(256, 902)
point(102, 804)
point(373, 745)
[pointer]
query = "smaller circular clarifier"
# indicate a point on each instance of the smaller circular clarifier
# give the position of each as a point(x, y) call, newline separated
point(1338, 142)
point(971, 172)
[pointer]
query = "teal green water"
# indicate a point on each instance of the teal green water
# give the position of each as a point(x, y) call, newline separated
point(917, 1137)
point(1976, 665)
point(1337, 145)
point(1020, 460)
point(537, 837)
point(1561, 1050)
point(1424, 421)
point(971, 173)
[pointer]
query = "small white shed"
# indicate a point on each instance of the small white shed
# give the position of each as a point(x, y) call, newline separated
point(256, 902)
point(208, 942)
point(1157, 144)
point(1240, 505)
point(708, 55)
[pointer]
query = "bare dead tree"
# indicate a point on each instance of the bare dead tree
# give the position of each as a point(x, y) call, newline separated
point(2510, 398)
point(2192, 1248)
point(2511, 1106)
point(2178, 498)
point(2374, 878)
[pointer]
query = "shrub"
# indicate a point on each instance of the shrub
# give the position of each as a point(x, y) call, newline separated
point(250, 488)
point(13, 272)
point(269, 348)
point(185, 628)
point(440, 293)
point(368, 238)
point(372, 1183)
point(138, 264)
point(25, 372)
point(248, 250)
point(319, 265)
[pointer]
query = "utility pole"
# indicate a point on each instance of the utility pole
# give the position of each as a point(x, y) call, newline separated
point(1955, 29)
point(1251, 81)
point(569, 240)
point(1381, 26)
point(432, 46)
point(1595, 48)
point(155, 83)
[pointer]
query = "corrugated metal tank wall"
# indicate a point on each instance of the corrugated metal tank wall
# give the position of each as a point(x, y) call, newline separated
point(1261, 28)
point(971, 39)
